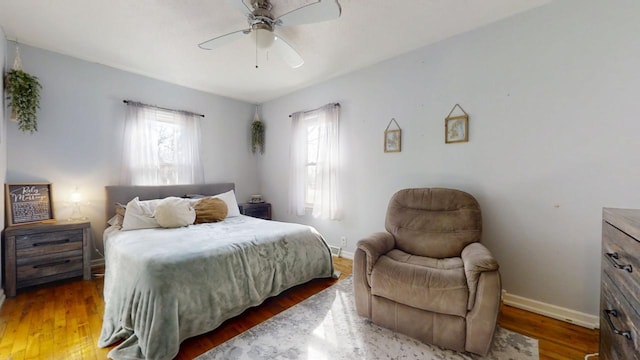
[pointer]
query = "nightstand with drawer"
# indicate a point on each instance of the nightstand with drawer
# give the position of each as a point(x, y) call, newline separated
point(258, 210)
point(41, 253)
point(620, 285)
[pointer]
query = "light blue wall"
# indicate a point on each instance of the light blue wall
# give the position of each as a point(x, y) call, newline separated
point(552, 96)
point(80, 126)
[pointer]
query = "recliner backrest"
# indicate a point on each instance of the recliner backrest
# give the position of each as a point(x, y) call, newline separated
point(433, 222)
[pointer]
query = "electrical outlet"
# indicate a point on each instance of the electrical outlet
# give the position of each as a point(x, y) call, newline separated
point(343, 241)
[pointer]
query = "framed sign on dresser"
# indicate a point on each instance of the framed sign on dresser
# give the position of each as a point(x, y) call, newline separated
point(620, 285)
point(28, 203)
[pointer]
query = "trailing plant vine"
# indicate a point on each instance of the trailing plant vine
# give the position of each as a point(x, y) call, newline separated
point(257, 136)
point(23, 92)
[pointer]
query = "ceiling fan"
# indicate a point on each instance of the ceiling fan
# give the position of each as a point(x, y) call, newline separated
point(263, 24)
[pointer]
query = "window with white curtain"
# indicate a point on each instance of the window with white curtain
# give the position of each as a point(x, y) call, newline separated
point(315, 162)
point(161, 147)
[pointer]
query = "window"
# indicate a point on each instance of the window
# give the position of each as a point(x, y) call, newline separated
point(312, 140)
point(161, 147)
point(315, 162)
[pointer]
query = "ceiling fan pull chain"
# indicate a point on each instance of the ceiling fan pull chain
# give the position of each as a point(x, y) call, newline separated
point(256, 52)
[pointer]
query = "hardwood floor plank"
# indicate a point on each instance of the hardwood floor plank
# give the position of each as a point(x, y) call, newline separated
point(557, 339)
point(64, 320)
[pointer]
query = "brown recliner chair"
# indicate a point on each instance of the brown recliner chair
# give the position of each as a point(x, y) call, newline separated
point(428, 276)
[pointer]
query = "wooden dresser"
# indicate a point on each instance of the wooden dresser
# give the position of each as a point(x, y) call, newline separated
point(41, 253)
point(620, 285)
point(257, 210)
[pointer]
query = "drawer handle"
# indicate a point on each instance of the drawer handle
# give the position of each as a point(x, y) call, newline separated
point(52, 264)
point(53, 242)
point(614, 313)
point(613, 257)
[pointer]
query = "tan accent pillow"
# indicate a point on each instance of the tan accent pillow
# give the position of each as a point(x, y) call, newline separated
point(210, 210)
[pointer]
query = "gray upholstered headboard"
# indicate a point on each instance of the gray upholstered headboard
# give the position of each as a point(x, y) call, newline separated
point(123, 193)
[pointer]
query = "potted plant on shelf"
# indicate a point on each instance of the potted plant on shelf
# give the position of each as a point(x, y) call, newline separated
point(23, 92)
point(257, 134)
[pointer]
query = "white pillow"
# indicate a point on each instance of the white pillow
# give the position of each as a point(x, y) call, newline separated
point(174, 212)
point(229, 198)
point(139, 215)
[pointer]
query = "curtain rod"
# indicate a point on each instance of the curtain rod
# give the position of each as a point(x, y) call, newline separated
point(158, 107)
point(336, 104)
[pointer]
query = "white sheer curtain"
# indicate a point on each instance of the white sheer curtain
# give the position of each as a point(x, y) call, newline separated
point(297, 164)
point(153, 135)
point(325, 154)
point(189, 164)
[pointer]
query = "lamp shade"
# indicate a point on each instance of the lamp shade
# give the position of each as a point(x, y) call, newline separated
point(264, 38)
point(76, 197)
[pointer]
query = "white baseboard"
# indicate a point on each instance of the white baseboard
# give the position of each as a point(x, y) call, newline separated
point(346, 254)
point(552, 311)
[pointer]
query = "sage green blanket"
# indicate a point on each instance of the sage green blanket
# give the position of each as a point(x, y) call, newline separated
point(165, 285)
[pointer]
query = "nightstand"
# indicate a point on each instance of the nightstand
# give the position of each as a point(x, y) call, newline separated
point(41, 253)
point(258, 210)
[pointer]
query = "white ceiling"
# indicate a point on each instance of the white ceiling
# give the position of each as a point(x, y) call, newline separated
point(158, 38)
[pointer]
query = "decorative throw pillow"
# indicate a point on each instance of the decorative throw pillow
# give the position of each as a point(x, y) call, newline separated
point(210, 209)
point(139, 215)
point(229, 198)
point(118, 218)
point(174, 212)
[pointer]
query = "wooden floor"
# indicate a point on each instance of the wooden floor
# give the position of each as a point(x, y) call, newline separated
point(63, 321)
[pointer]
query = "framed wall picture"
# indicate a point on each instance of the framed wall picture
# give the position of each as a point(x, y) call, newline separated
point(28, 203)
point(456, 129)
point(393, 138)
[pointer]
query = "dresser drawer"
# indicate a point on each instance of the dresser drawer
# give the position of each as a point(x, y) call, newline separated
point(621, 261)
point(256, 212)
point(63, 265)
point(616, 312)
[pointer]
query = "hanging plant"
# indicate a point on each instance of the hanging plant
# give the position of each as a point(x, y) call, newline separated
point(24, 98)
point(257, 136)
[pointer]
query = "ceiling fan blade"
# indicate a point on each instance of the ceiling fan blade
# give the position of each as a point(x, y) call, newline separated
point(241, 5)
point(216, 42)
point(286, 52)
point(322, 10)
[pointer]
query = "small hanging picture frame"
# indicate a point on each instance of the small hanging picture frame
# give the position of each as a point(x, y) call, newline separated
point(456, 128)
point(392, 138)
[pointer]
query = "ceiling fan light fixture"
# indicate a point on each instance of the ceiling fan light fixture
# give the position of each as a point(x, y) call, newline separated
point(264, 36)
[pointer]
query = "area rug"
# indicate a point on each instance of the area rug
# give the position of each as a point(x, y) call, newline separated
point(326, 326)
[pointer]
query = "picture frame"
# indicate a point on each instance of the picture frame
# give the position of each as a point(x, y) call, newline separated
point(456, 129)
point(28, 203)
point(392, 140)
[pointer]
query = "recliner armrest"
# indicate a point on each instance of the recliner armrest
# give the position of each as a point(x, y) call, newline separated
point(374, 246)
point(476, 259)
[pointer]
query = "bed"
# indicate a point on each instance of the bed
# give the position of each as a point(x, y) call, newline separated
point(163, 286)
